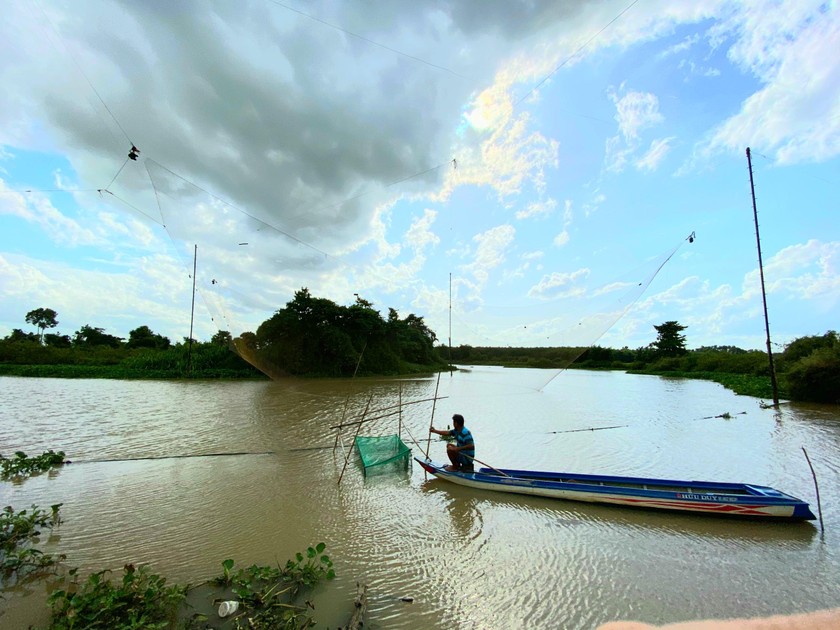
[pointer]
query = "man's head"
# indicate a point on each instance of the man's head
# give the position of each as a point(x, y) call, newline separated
point(458, 420)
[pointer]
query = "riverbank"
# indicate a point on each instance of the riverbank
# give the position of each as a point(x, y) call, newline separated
point(120, 372)
point(741, 384)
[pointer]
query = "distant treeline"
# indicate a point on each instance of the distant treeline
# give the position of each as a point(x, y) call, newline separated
point(313, 336)
point(309, 337)
point(27, 357)
point(807, 370)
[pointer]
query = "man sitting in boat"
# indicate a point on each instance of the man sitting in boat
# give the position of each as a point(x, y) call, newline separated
point(462, 453)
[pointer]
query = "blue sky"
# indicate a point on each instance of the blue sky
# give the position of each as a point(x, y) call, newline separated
point(525, 167)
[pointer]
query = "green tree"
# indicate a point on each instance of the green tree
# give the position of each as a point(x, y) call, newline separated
point(222, 338)
point(670, 341)
point(42, 318)
point(317, 336)
point(20, 335)
point(58, 341)
point(143, 337)
point(88, 337)
point(360, 301)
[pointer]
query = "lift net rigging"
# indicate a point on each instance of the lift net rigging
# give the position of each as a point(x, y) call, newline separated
point(242, 268)
point(566, 326)
point(223, 243)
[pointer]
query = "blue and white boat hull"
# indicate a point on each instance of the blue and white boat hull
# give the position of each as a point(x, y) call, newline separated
point(703, 497)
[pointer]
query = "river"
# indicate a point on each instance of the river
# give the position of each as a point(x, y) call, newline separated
point(467, 558)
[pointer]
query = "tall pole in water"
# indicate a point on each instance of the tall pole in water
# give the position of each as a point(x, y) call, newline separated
point(192, 313)
point(763, 293)
point(450, 323)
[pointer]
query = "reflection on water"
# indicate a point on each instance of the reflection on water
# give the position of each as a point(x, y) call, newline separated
point(467, 558)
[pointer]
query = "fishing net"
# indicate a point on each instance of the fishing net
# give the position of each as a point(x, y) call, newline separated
point(246, 265)
point(242, 264)
point(379, 451)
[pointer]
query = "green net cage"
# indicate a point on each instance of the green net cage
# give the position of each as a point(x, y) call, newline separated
point(377, 451)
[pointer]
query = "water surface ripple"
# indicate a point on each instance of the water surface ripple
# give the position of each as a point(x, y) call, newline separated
point(466, 558)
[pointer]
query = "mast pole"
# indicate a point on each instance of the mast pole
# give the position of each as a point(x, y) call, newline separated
point(450, 323)
point(763, 292)
point(192, 312)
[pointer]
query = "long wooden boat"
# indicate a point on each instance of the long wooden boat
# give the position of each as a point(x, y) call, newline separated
point(705, 497)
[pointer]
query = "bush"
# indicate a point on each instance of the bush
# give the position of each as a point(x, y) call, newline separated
point(804, 346)
point(816, 377)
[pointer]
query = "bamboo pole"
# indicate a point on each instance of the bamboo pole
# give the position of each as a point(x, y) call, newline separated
point(432, 419)
point(347, 400)
point(773, 382)
point(816, 487)
point(350, 451)
point(450, 324)
point(339, 427)
point(504, 474)
point(617, 426)
point(387, 415)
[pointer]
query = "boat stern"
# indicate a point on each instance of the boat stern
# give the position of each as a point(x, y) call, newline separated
point(802, 511)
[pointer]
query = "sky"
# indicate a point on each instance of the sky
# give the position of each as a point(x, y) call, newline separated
point(517, 173)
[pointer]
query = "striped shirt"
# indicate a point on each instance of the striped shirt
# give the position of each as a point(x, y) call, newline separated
point(463, 438)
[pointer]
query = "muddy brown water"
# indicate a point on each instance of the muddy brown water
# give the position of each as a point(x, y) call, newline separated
point(467, 558)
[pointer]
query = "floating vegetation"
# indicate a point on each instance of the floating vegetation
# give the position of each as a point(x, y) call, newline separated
point(20, 466)
point(139, 600)
point(267, 595)
point(19, 531)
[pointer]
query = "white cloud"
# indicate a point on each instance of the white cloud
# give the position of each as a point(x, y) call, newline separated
point(37, 209)
point(490, 251)
point(683, 46)
point(635, 112)
point(527, 261)
point(157, 287)
point(591, 207)
point(561, 239)
point(559, 284)
point(804, 278)
point(419, 235)
point(315, 138)
point(540, 209)
point(655, 154)
point(510, 158)
point(806, 272)
point(791, 48)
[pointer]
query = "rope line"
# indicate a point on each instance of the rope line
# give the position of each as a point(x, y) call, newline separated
point(114, 178)
point(572, 56)
point(138, 459)
point(82, 72)
point(365, 39)
point(690, 238)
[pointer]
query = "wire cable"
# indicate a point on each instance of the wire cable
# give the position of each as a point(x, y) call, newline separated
point(82, 72)
point(365, 39)
point(574, 54)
